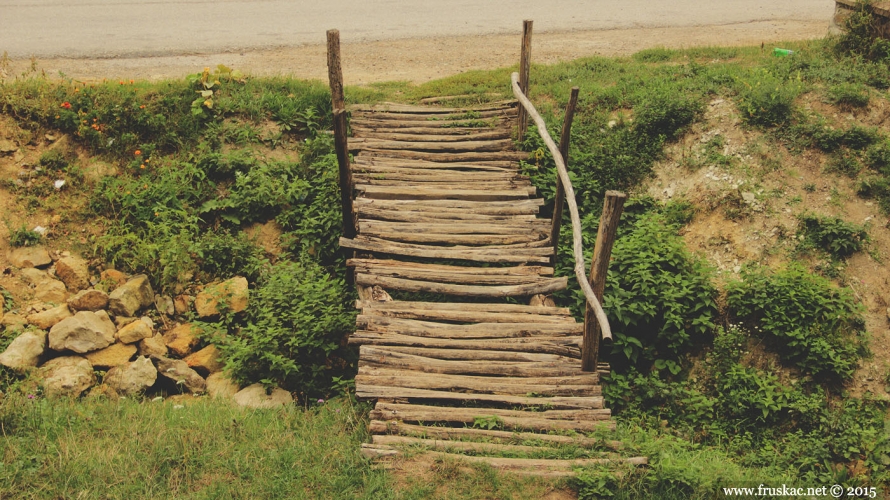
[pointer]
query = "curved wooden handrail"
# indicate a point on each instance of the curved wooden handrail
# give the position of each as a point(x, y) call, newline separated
point(580, 268)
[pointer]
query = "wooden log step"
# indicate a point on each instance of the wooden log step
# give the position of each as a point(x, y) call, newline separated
point(428, 207)
point(522, 186)
point(421, 328)
point(436, 146)
point(365, 391)
point(400, 135)
point(438, 99)
point(582, 385)
point(444, 444)
point(447, 157)
point(475, 254)
point(468, 316)
point(373, 164)
point(393, 107)
point(381, 357)
point(483, 271)
point(495, 307)
point(564, 346)
point(435, 175)
point(463, 239)
point(371, 212)
point(461, 116)
point(548, 285)
point(457, 433)
point(368, 121)
point(577, 420)
point(360, 129)
point(516, 226)
point(419, 192)
point(458, 352)
point(540, 466)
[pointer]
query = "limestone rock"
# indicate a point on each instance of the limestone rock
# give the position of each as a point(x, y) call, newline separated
point(254, 396)
point(10, 320)
point(88, 300)
point(32, 275)
point(134, 332)
point(205, 361)
point(231, 294)
point(113, 355)
point(133, 377)
point(178, 371)
point(36, 256)
point(182, 303)
point(47, 319)
point(153, 347)
point(164, 304)
point(24, 351)
point(219, 385)
point(74, 272)
point(182, 339)
point(67, 376)
point(112, 278)
point(122, 321)
point(7, 146)
point(84, 332)
point(132, 296)
point(50, 290)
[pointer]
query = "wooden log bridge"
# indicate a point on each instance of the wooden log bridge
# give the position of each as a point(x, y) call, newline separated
point(434, 204)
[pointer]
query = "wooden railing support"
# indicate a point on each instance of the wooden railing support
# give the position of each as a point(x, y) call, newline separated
point(613, 205)
point(525, 62)
point(560, 198)
point(338, 102)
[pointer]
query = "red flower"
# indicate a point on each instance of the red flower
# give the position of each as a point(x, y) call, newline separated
point(66, 105)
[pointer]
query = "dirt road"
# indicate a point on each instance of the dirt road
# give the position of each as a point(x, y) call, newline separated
point(415, 40)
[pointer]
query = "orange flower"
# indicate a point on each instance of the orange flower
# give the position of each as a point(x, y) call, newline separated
point(131, 82)
point(137, 152)
point(66, 105)
point(142, 107)
point(57, 117)
point(142, 166)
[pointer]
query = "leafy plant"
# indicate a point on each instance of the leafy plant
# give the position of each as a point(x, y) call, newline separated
point(810, 323)
point(767, 100)
point(849, 95)
point(833, 235)
point(862, 34)
point(24, 237)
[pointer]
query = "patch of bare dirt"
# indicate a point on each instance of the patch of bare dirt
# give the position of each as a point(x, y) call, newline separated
point(749, 192)
point(423, 59)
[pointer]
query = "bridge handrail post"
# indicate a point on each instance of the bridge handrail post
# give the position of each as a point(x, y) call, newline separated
point(560, 198)
point(525, 62)
point(338, 102)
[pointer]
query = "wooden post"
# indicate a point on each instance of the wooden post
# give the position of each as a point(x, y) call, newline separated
point(605, 238)
point(560, 198)
point(525, 61)
point(338, 101)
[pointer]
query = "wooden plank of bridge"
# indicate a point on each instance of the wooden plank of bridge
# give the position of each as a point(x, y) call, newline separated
point(428, 191)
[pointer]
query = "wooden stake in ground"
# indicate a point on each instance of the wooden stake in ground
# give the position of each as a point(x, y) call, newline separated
point(525, 61)
point(338, 101)
point(605, 238)
point(560, 198)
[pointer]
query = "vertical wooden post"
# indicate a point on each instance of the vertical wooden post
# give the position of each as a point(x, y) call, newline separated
point(599, 267)
point(525, 61)
point(560, 198)
point(338, 101)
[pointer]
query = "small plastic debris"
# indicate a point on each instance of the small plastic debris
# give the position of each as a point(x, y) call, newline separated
point(782, 52)
point(58, 184)
point(40, 230)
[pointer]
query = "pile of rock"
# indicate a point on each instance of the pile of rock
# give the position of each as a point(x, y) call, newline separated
point(80, 325)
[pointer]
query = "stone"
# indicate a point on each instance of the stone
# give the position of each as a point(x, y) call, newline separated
point(67, 376)
point(182, 339)
point(205, 361)
point(113, 355)
point(84, 332)
point(10, 320)
point(32, 275)
point(254, 396)
point(24, 350)
point(153, 347)
point(182, 303)
point(267, 236)
point(219, 385)
point(134, 332)
point(35, 256)
point(88, 300)
point(164, 305)
point(122, 321)
point(133, 377)
point(132, 296)
point(112, 278)
point(74, 272)
point(7, 146)
point(51, 290)
point(48, 318)
point(178, 371)
point(231, 294)
point(96, 170)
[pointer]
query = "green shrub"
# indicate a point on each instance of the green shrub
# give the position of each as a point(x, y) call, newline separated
point(659, 298)
point(24, 237)
point(843, 162)
point(862, 36)
point(297, 318)
point(665, 111)
point(848, 95)
point(833, 235)
point(766, 100)
point(810, 323)
point(654, 55)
